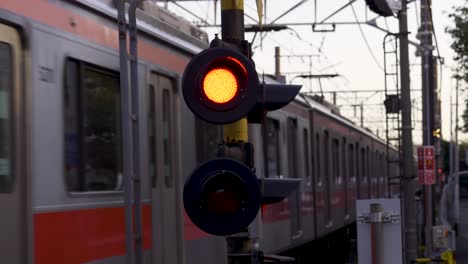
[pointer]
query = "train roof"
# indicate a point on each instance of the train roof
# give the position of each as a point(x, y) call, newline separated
point(324, 108)
point(158, 22)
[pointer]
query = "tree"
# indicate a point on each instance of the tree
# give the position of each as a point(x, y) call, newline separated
point(459, 33)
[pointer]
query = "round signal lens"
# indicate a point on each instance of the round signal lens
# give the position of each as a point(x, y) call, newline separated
point(223, 193)
point(220, 85)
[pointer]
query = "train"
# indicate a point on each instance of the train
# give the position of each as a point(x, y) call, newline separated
point(61, 187)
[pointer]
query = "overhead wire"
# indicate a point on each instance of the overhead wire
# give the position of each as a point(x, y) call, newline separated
point(365, 39)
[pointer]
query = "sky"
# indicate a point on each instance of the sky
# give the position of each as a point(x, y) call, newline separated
point(352, 51)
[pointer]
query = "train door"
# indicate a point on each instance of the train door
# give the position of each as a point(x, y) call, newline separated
point(294, 198)
point(166, 220)
point(13, 230)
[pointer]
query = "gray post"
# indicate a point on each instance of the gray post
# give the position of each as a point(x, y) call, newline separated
point(126, 131)
point(277, 62)
point(138, 239)
point(408, 183)
point(377, 236)
point(427, 110)
point(362, 115)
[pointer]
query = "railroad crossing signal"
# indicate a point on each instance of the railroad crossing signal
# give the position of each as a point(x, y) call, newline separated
point(220, 85)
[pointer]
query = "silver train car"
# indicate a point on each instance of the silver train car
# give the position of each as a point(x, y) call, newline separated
point(61, 198)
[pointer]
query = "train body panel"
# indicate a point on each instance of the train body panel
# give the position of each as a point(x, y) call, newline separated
point(63, 190)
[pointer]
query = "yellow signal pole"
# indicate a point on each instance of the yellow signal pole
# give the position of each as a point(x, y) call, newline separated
point(232, 31)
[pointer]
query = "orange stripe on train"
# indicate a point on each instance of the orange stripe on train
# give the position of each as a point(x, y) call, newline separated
point(52, 15)
point(91, 234)
point(84, 235)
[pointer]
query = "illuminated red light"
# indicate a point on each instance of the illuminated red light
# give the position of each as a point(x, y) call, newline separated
point(220, 85)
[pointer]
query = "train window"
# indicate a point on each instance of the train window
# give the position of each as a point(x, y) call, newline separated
point(335, 161)
point(6, 178)
point(351, 168)
point(306, 156)
point(93, 148)
point(272, 148)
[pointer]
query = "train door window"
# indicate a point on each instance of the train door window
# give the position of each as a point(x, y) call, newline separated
point(344, 172)
point(292, 148)
point(317, 159)
point(167, 133)
point(6, 83)
point(153, 174)
point(327, 157)
point(367, 161)
point(351, 167)
point(327, 175)
point(372, 161)
point(335, 161)
point(306, 156)
point(362, 176)
point(271, 142)
point(93, 148)
point(382, 168)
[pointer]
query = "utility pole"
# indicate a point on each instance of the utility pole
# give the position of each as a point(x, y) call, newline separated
point(457, 155)
point(427, 67)
point(408, 186)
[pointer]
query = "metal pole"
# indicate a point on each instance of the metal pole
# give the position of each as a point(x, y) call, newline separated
point(277, 62)
point(428, 94)
point(362, 115)
point(138, 235)
point(377, 236)
point(126, 131)
point(408, 186)
point(232, 31)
